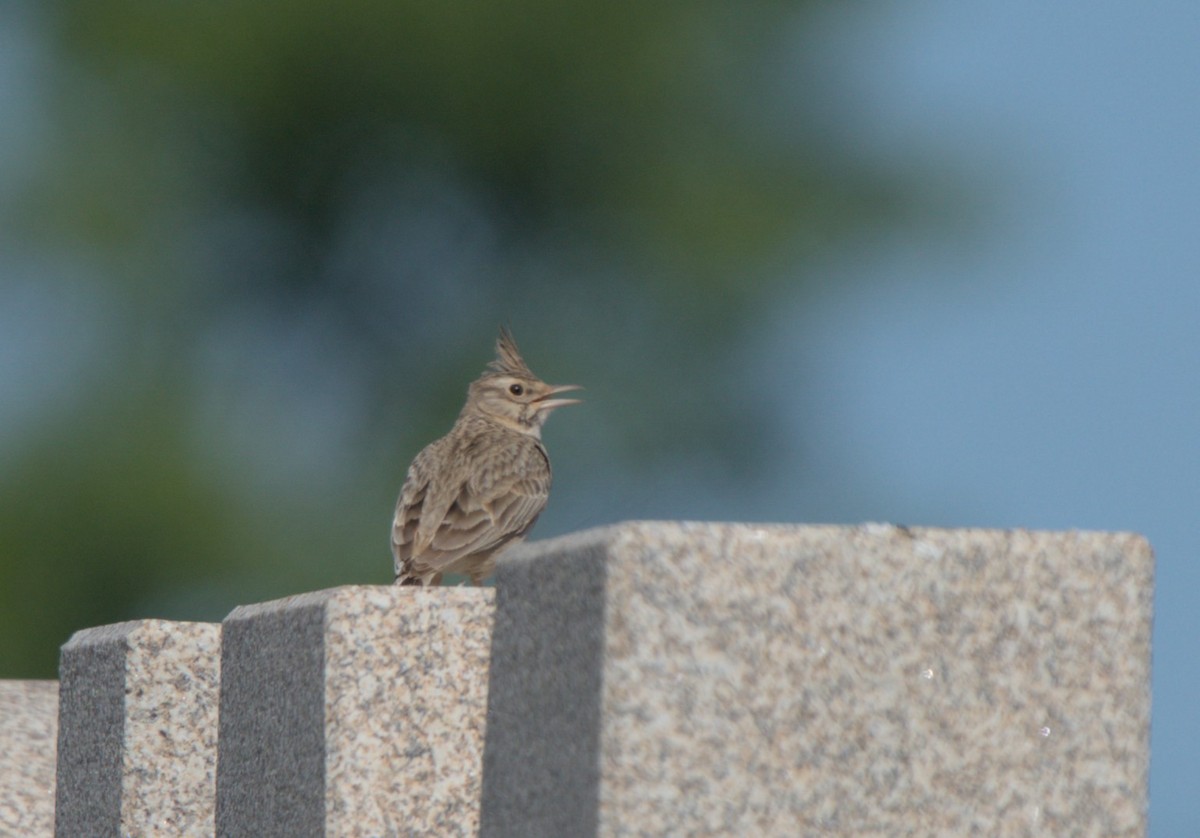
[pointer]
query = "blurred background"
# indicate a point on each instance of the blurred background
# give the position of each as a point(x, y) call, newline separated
point(931, 263)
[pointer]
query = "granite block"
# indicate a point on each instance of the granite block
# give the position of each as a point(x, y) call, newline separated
point(28, 743)
point(356, 711)
point(667, 678)
point(137, 742)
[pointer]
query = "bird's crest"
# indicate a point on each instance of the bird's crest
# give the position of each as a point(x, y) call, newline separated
point(508, 358)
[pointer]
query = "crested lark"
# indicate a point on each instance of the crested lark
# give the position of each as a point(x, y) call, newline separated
point(481, 487)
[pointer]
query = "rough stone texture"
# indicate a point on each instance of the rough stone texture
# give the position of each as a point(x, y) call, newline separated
point(270, 771)
point(357, 711)
point(662, 678)
point(28, 741)
point(541, 768)
point(137, 742)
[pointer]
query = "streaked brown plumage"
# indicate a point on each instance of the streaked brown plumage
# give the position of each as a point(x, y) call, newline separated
point(481, 487)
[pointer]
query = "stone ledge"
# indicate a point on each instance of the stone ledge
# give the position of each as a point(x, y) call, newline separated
point(645, 677)
point(356, 711)
point(137, 745)
point(780, 680)
point(28, 743)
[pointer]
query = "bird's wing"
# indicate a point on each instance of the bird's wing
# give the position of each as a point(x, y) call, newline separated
point(504, 491)
point(512, 484)
point(412, 507)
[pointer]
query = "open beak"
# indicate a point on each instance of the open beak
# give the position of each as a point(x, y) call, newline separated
point(547, 404)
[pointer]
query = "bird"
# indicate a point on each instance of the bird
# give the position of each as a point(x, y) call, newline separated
point(480, 488)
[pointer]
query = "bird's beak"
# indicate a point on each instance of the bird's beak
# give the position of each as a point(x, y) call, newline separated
point(547, 404)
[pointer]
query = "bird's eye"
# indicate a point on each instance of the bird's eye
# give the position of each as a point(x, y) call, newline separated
point(516, 389)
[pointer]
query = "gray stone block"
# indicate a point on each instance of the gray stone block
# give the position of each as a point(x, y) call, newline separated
point(137, 729)
point(28, 741)
point(357, 711)
point(664, 678)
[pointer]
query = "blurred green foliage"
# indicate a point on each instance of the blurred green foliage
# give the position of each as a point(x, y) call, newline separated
point(306, 220)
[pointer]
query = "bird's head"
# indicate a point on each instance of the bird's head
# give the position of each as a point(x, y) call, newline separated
point(511, 394)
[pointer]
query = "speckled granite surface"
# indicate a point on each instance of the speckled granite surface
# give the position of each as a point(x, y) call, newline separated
point(28, 740)
point(664, 678)
point(137, 741)
point(358, 709)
